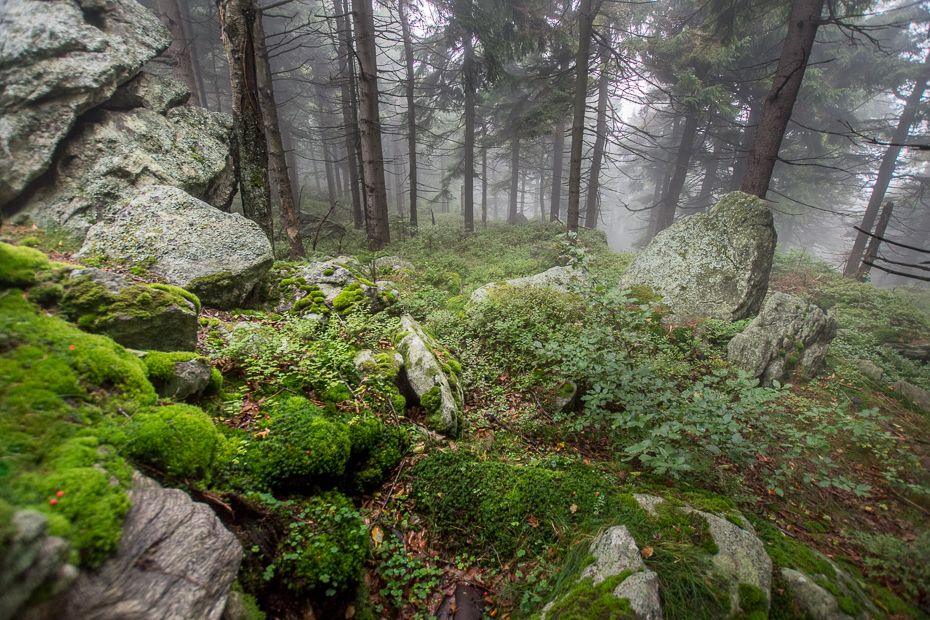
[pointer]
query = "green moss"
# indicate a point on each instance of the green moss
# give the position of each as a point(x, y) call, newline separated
point(828, 586)
point(432, 400)
point(786, 551)
point(708, 502)
point(849, 606)
point(256, 180)
point(177, 290)
point(346, 301)
point(46, 294)
point(587, 601)
point(212, 286)
point(177, 440)
point(29, 242)
point(328, 272)
point(287, 281)
point(752, 599)
point(734, 519)
point(161, 365)
point(18, 265)
point(216, 381)
point(644, 295)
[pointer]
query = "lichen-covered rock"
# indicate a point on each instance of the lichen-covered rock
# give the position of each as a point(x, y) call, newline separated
point(392, 264)
point(558, 278)
point(135, 316)
point(615, 551)
point(57, 61)
point(386, 364)
point(869, 369)
point(32, 561)
point(788, 334)
point(820, 597)
point(429, 384)
point(112, 155)
point(710, 265)
point(327, 285)
point(178, 375)
point(218, 256)
point(158, 93)
point(176, 560)
point(740, 556)
point(918, 396)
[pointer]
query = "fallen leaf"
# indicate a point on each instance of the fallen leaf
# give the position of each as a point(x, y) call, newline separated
point(646, 552)
point(573, 508)
point(533, 521)
point(350, 611)
point(377, 535)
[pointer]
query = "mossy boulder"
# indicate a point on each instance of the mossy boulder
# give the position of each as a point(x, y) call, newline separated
point(220, 257)
point(176, 440)
point(557, 278)
point(710, 265)
point(427, 383)
point(135, 316)
point(178, 374)
point(19, 264)
point(790, 336)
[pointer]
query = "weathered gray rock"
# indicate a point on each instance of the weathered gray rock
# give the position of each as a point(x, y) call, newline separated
point(818, 603)
point(383, 363)
point(440, 394)
point(332, 277)
point(57, 61)
point(32, 561)
point(869, 369)
point(156, 92)
point(113, 154)
point(788, 334)
point(218, 256)
point(917, 351)
point(710, 265)
point(235, 609)
point(176, 560)
point(741, 556)
point(190, 377)
point(558, 278)
point(393, 263)
point(918, 396)
point(615, 551)
point(566, 397)
point(135, 316)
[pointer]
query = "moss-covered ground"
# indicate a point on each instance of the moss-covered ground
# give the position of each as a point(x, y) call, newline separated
point(342, 499)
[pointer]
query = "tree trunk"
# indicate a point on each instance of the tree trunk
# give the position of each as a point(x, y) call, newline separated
point(349, 108)
point(558, 151)
point(514, 178)
point(484, 187)
point(710, 176)
point(468, 206)
point(411, 113)
point(194, 54)
point(541, 195)
point(802, 28)
point(586, 14)
point(291, 159)
point(885, 174)
point(327, 162)
point(179, 51)
point(283, 185)
point(669, 203)
point(236, 18)
point(590, 209)
point(874, 242)
point(369, 121)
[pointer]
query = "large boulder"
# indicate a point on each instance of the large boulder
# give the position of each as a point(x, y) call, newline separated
point(58, 60)
point(558, 278)
point(432, 383)
point(336, 284)
point(112, 154)
point(176, 560)
point(788, 334)
point(135, 316)
point(158, 93)
point(218, 256)
point(710, 265)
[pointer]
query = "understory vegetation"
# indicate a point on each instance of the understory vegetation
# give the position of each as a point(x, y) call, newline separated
point(344, 499)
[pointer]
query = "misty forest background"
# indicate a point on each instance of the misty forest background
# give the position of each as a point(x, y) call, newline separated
point(477, 116)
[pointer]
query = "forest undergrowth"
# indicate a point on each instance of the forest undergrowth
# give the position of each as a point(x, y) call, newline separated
point(380, 518)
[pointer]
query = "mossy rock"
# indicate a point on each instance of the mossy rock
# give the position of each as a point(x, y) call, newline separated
point(138, 317)
point(177, 440)
point(18, 265)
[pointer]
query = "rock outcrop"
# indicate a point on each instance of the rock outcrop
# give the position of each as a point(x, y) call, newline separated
point(113, 154)
point(433, 384)
point(789, 334)
point(135, 316)
point(57, 61)
point(176, 560)
point(558, 278)
point(218, 256)
point(710, 265)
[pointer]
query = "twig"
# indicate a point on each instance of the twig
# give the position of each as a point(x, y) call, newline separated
point(909, 502)
point(391, 490)
point(543, 411)
point(493, 419)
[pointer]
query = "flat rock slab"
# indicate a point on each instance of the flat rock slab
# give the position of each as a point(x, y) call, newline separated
point(710, 265)
point(218, 256)
point(176, 561)
point(58, 60)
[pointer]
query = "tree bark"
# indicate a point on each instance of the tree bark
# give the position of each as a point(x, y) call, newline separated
point(802, 28)
point(586, 14)
point(669, 202)
point(349, 108)
point(194, 54)
point(745, 143)
point(590, 209)
point(468, 84)
point(875, 241)
point(236, 17)
point(514, 178)
point(885, 174)
point(279, 169)
point(710, 176)
point(179, 50)
point(558, 151)
point(411, 113)
point(484, 187)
